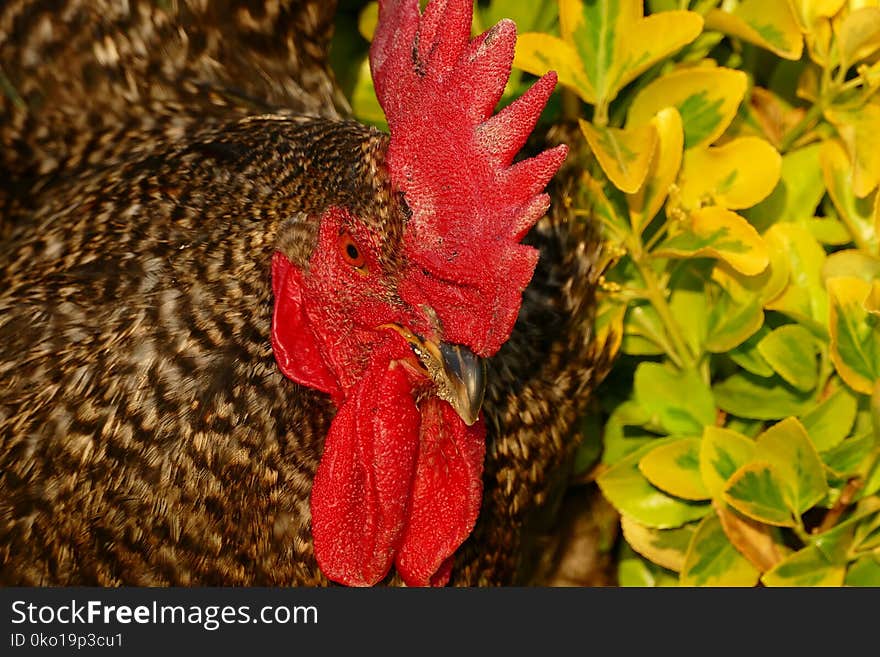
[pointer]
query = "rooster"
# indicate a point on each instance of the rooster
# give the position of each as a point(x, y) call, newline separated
point(247, 341)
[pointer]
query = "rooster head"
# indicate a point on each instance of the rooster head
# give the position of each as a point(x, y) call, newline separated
point(400, 297)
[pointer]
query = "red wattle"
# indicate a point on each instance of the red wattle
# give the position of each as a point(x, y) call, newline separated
point(446, 494)
point(362, 487)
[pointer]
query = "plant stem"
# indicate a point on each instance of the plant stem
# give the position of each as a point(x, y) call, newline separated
point(655, 295)
point(811, 117)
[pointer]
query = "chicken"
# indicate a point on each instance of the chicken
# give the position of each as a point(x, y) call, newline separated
point(246, 341)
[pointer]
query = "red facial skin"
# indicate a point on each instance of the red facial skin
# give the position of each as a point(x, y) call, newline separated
point(398, 482)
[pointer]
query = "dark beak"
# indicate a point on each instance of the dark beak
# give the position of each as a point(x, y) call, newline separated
point(458, 373)
point(466, 378)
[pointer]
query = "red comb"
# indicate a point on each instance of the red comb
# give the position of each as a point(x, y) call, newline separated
point(452, 160)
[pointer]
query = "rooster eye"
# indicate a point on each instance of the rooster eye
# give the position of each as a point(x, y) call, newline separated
point(350, 251)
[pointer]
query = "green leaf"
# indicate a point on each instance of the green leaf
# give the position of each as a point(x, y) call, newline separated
point(635, 570)
point(616, 43)
point(675, 469)
point(787, 447)
point(747, 356)
point(836, 543)
point(798, 193)
point(713, 561)
point(855, 337)
point(706, 99)
point(722, 453)
point(677, 401)
point(791, 351)
point(736, 175)
point(845, 459)
point(688, 305)
point(806, 567)
point(664, 547)
point(733, 319)
point(624, 155)
point(803, 297)
point(627, 489)
point(718, 233)
point(831, 421)
point(864, 572)
point(535, 16)
point(758, 491)
point(770, 25)
point(750, 396)
point(623, 432)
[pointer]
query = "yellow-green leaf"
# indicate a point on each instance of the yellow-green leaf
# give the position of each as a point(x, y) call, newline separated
point(806, 567)
point(865, 571)
point(848, 458)
point(771, 25)
point(675, 468)
point(634, 570)
point(798, 193)
point(736, 311)
point(678, 402)
point(363, 101)
point(647, 201)
point(855, 335)
point(747, 356)
point(830, 422)
point(787, 448)
point(665, 547)
point(808, 12)
point(368, 20)
point(749, 396)
point(798, 253)
point(706, 99)
point(758, 491)
point(624, 155)
point(757, 542)
point(633, 495)
point(813, 16)
point(858, 130)
point(718, 233)
point(616, 42)
point(712, 560)
point(736, 175)
point(722, 453)
point(791, 351)
point(859, 35)
point(538, 53)
point(852, 263)
point(608, 327)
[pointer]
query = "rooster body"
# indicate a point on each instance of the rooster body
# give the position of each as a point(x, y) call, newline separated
point(159, 164)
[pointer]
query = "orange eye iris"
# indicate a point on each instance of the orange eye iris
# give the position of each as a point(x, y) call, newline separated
point(351, 252)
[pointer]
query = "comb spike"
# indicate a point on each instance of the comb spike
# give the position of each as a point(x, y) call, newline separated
point(486, 68)
point(444, 34)
point(534, 210)
point(451, 160)
point(506, 132)
point(529, 177)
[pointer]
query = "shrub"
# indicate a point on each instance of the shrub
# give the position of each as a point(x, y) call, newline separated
point(735, 160)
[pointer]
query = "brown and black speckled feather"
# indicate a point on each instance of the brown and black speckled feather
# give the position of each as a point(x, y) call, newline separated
point(146, 435)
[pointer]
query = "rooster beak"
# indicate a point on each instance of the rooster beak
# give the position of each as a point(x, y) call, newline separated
point(458, 373)
point(466, 379)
